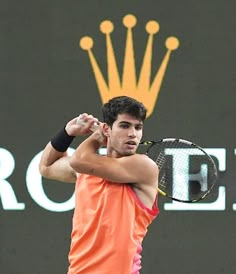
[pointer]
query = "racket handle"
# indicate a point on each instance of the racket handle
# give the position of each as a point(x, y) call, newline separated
point(161, 192)
point(80, 122)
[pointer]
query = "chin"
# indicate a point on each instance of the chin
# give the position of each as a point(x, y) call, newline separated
point(128, 153)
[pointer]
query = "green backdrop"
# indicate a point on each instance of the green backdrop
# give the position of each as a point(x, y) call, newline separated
point(46, 79)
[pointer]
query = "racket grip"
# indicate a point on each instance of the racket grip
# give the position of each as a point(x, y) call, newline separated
point(161, 192)
point(80, 121)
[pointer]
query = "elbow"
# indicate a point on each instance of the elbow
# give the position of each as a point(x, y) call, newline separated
point(76, 163)
point(43, 170)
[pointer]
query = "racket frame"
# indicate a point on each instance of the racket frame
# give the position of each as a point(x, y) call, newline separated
point(163, 193)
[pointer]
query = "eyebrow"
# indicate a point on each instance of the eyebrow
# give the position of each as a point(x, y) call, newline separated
point(129, 123)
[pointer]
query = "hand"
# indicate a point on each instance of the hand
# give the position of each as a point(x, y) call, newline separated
point(99, 135)
point(75, 129)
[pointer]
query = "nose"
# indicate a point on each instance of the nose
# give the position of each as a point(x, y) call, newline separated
point(132, 132)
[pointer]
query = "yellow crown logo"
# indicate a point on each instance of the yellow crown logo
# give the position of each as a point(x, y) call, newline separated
point(141, 89)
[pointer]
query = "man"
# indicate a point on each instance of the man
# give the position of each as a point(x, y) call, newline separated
point(116, 194)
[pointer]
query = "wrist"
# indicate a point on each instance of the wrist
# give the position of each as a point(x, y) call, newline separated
point(99, 138)
point(69, 131)
point(62, 140)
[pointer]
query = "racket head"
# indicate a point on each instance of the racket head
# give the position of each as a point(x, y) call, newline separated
point(186, 172)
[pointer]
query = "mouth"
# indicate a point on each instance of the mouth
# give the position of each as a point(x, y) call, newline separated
point(131, 143)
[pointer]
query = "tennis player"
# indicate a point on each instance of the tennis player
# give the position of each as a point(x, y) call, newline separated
point(116, 194)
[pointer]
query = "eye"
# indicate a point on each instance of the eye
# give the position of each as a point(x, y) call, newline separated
point(124, 126)
point(139, 127)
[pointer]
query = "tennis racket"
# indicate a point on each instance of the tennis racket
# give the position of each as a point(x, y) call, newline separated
point(186, 172)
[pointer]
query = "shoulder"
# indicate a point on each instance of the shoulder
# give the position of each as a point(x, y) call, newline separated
point(142, 163)
point(140, 159)
point(147, 174)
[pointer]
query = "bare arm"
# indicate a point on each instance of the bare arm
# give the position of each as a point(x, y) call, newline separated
point(55, 164)
point(129, 169)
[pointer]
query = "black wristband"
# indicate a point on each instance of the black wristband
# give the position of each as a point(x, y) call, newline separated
point(61, 141)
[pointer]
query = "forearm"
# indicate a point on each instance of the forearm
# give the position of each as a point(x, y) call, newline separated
point(54, 163)
point(56, 148)
point(50, 155)
point(86, 153)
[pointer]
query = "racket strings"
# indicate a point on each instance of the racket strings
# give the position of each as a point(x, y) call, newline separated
point(160, 160)
point(163, 182)
point(186, 172)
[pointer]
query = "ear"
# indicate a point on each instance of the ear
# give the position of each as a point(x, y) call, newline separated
point(106, 130)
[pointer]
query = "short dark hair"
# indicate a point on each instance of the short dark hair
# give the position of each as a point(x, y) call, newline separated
point(122, 105)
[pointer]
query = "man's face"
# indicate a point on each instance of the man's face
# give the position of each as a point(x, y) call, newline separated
point(124, 136)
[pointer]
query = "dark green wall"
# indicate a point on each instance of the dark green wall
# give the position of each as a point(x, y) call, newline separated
point(46, 79)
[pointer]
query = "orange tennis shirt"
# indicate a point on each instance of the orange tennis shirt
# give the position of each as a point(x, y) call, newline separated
point(109, 225)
